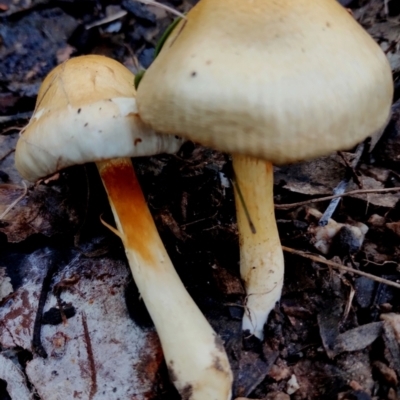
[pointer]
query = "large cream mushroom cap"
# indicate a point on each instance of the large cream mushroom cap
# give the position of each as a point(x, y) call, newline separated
point(280, 80)
point(84, 117)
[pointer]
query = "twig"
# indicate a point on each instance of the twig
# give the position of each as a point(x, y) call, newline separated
point(6, 155)
point(32, 5)
point(16, 117)
point(92, 364)
point(106, 20)
point(342, 186)
point(11, 186)
point(163, 6)
point(339, 190)
point(198, 220)
point(319, 199)
point(339, 266)
point(7, 210)
point(351, 166)
point(386, 7)
point(7, 131)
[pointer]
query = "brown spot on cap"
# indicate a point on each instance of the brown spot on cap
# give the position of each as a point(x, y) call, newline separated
point(217, 364)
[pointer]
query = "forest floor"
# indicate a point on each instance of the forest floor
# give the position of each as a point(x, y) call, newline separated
point(334, 335)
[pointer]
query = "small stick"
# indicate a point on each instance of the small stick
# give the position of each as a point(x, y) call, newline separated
point(15, 202)
point(342, 186)
point(163, 6)
point(16, 117)
point(339, 266)
point(351, 166)
point(6, 155)
point(319, 199)
point(92, 364)
point(339, 190)
point(6, 131)
point(106, 20)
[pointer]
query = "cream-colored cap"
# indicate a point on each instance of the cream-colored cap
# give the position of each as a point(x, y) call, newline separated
point(281, 80)
point(86, 111)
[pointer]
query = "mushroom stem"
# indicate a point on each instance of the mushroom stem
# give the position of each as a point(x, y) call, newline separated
point(194, 354)
point(261, 256)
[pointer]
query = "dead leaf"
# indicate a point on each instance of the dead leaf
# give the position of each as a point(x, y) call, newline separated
point(393, 320)
point(387, 373)
point(391, 337)
point(394, 227)
point(37, 212)
point(252, 368)
point(319, 178)
point(5, 284)
point(15, 379)
point(316, 177)
point(100, 350)
point(358, 338)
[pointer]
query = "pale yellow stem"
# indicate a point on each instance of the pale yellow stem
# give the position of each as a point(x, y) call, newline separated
point(261, 257)
point(194, 354)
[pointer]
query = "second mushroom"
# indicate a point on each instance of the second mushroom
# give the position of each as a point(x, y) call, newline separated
point(86, 112)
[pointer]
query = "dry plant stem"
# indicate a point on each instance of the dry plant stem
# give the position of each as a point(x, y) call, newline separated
point(163, 6)
point(10, 118)
point(107, 20)
point(332, 264)
point(261, 257)
point(319, 199)
point(194, 354)
point(15, 202)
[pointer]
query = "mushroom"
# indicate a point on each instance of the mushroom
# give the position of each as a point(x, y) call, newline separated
point(86, 112)
point(270, 82)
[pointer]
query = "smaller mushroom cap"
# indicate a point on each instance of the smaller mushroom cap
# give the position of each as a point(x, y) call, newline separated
point(281, 80)
point(85, 112)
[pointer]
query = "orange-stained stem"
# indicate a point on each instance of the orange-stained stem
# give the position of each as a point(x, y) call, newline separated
point(135, 223)
point(261, 257)
point(193, 352)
